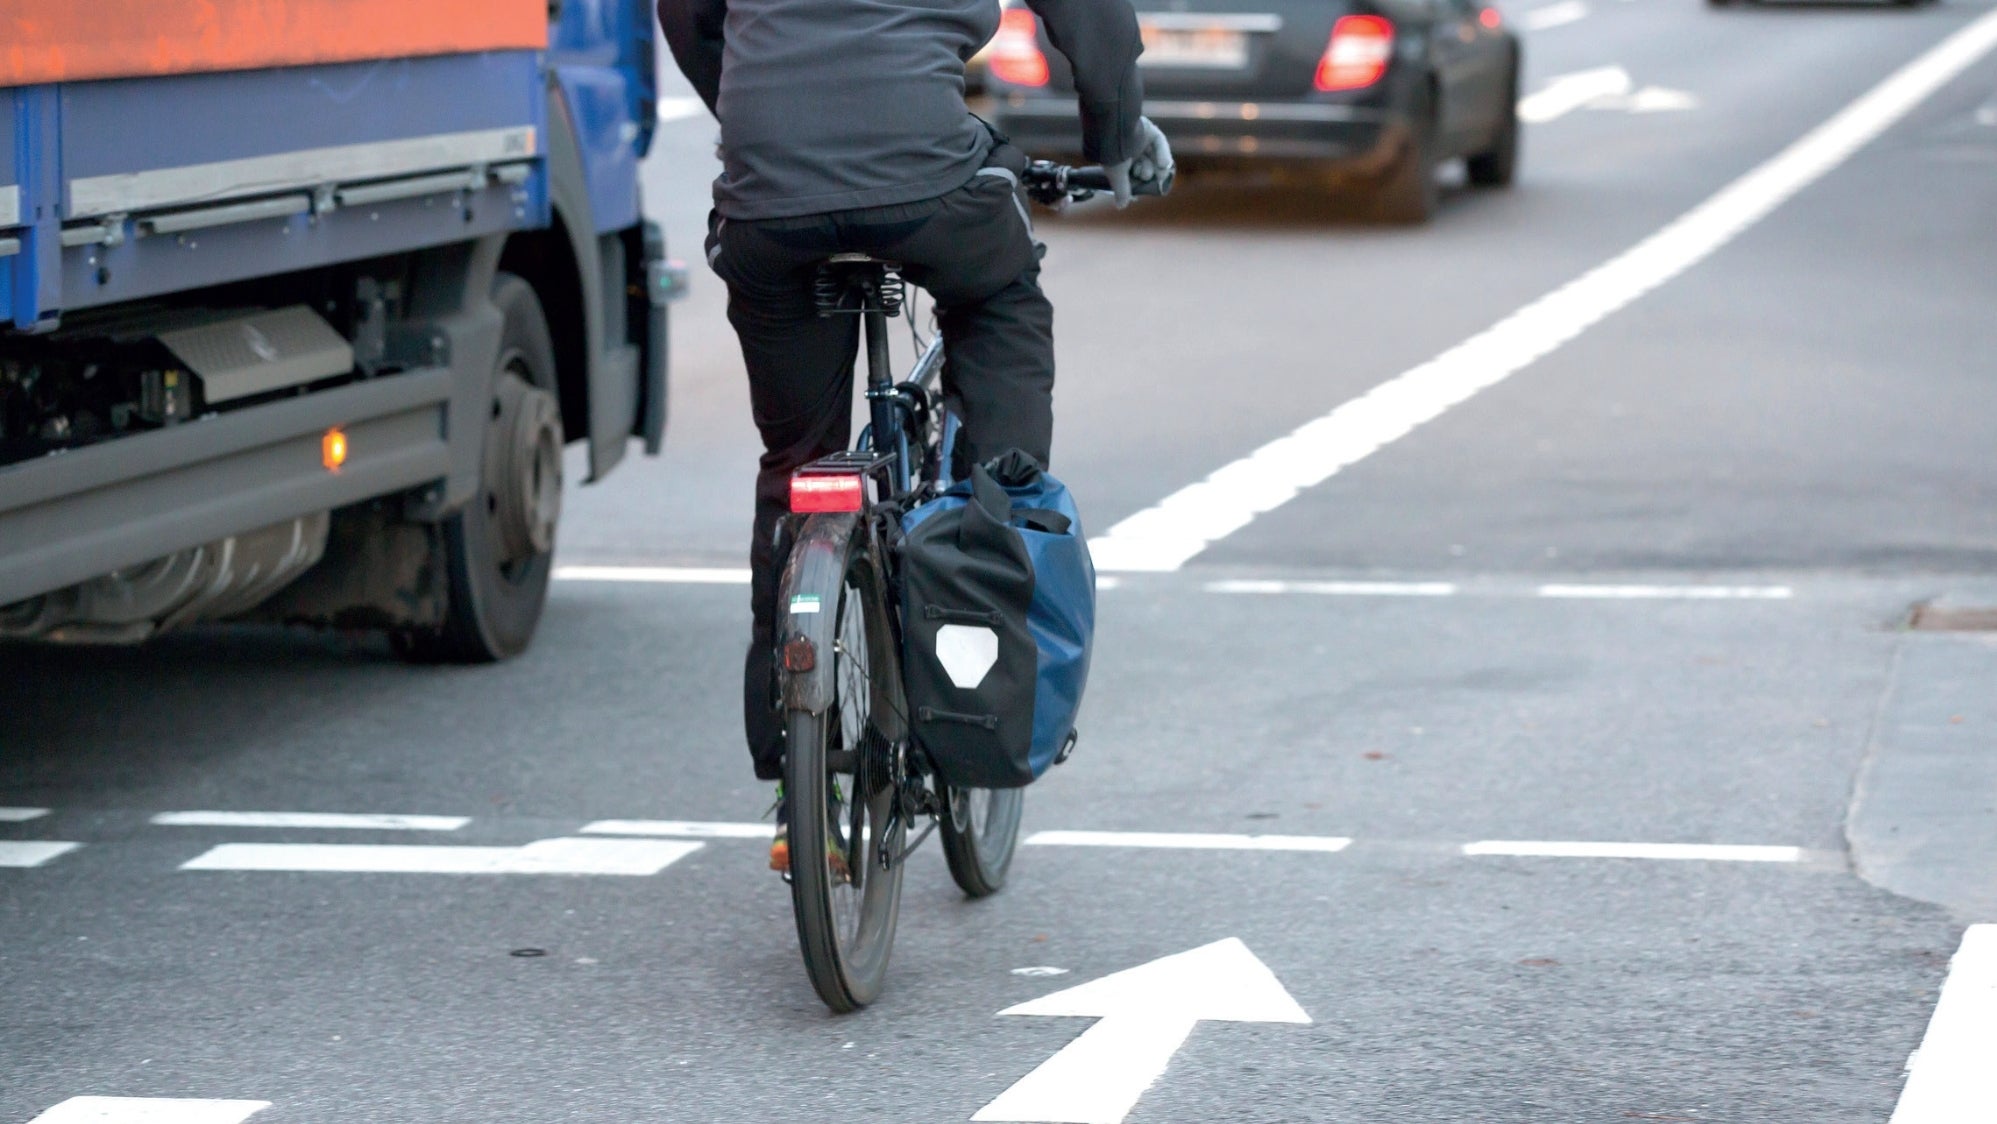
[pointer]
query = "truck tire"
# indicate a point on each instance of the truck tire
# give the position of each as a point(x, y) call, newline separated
point(499, 549)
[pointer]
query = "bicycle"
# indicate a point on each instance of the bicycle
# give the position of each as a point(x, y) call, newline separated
point(853, 778)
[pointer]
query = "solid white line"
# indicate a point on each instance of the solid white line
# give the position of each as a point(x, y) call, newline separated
point(1188, 521)
point(1666, 592)
point(1570, 92)
point(1338, 589)
point(685, 829)
point(1951, 1080)
point(368, 821)
point(653, 575)
point(21, 815)
point(1709, 852)
point(1187, 841)
point(32, 852)
point(149, 1110)
point(548, 856)
point(1554, 15)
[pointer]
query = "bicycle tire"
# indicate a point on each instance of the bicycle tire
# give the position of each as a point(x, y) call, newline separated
point(845, 918)
point(980, 830)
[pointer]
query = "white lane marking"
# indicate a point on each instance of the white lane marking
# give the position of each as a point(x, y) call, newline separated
point(1708, 852)
point(149, 1110)
point(679, 109)
point(1668, 592)
point(1146, 1014)
point(686, 829)
point(1188, 841)
point(32, 852)
point(21, 815)
point(1655, 99)
point(637, 857)
point(1569, 92)
point(1554, 15)
point(653, 575)
point(1338, 588)
point(1188, 521)
point(1950, 1079)
point(362, 821)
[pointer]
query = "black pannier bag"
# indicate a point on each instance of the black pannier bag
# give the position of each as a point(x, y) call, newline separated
point(998, 617)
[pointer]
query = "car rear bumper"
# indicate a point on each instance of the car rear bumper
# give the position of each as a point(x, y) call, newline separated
point(1220, 131)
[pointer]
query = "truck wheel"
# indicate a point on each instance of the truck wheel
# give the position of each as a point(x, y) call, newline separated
point(500, 548)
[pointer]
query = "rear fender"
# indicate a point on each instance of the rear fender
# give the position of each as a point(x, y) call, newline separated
point(811, 580)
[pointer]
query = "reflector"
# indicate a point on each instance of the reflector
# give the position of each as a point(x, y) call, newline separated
point(813, 493)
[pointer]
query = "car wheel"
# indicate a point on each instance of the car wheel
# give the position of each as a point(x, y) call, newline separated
point(499, 550)
point(1498, 165)
point(1407, 193)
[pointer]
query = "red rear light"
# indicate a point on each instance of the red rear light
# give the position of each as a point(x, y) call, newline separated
point(1490, 18)
point(1360, 49)
point(814, 493)
point(1016, 56)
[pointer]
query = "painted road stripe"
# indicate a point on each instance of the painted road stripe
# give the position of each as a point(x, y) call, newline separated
point(1554, 15)
point(149, 1110)
point(548, 856)
point(32, 852)
point(339, 820)
point(653, 575)
point(1708, 852)
point(1950, 1079)
point(1186, 841)
point(1668, 592)
point(685, 829)
point(1166, 535)
point(21, 815)
point(679, 109)
point(1338, 589)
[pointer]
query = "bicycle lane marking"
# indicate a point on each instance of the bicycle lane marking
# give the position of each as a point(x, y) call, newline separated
point(1950, 1079)
point(1166, 535)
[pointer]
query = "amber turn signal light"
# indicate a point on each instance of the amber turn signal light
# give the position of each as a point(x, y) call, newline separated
point(333, 449)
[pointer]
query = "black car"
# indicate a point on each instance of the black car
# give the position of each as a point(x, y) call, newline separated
point(1375, 90)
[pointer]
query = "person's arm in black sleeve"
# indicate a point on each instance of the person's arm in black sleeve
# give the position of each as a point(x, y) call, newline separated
point(693, 31)
point(1100, 40)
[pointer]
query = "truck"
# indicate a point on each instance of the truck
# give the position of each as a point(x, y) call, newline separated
point(302, 301)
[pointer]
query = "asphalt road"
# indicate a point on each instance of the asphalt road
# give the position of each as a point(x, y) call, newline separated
point(1650, 590)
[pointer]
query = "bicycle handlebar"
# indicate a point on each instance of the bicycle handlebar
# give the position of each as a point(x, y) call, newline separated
point(1048, 182)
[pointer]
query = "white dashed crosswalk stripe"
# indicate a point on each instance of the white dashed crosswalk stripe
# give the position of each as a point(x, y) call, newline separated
point(32, 852)
point(149, 1110)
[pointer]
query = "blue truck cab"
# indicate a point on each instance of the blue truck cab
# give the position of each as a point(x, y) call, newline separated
point(305, 341)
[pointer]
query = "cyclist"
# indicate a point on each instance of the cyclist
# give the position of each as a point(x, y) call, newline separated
point(844, 129)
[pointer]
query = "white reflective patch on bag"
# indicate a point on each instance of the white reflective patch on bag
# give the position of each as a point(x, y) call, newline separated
point(967, 652)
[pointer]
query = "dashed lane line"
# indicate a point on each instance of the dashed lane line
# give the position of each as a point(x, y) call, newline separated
point(21, 815)
point(348, 821)
point(1670, 852)
point(1185, 523)
point(1667, 592)
point(1950, 1079)
point(634, 857)
point(680, 109)
point(149, 1110)
point(32, 852)
point(1554, 15)
point(684, 829)
point(1338, 588)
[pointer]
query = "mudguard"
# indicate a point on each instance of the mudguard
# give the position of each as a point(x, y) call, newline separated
point(811, 583)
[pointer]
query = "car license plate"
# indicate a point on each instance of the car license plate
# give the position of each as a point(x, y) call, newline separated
point(1210, 48)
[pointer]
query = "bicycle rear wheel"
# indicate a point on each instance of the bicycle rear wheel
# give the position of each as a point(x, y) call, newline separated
point(838, 782)
point(980, 833)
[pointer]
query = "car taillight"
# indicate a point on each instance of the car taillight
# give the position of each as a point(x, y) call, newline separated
point(1491, 18)
point(1360, 49)
point(1016, 56)
point(813, 493)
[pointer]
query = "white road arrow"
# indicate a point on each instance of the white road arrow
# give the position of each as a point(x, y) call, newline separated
point(1146, 1014)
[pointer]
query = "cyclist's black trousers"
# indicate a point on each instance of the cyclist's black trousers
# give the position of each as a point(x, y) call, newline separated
point(973, 251)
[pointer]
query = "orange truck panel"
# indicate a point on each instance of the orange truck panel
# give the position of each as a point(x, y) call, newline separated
point(76, 40)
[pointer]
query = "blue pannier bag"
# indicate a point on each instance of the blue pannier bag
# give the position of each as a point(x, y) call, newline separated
point(998, 616)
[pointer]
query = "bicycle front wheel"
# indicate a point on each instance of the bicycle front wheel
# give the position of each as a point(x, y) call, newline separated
point(845, 872)
point(980, 832)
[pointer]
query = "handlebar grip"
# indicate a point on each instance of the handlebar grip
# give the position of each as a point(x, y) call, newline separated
point(1095, 179)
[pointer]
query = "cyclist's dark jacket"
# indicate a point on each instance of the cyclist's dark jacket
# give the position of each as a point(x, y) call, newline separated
point(830, 105)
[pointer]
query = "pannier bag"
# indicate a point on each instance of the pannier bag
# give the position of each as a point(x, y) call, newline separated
point(998, 615)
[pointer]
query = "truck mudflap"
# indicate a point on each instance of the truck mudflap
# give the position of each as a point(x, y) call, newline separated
point(659, 281)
